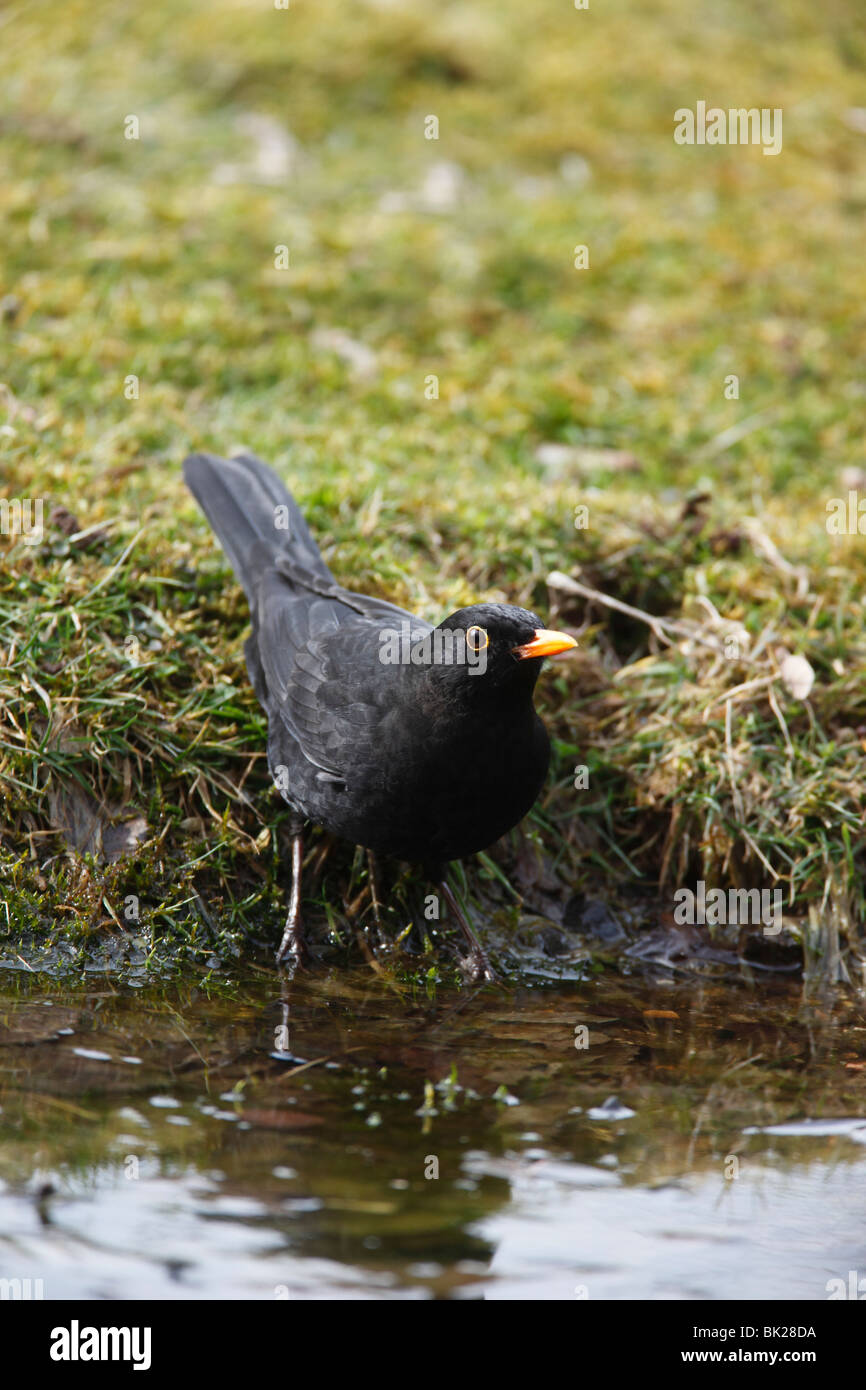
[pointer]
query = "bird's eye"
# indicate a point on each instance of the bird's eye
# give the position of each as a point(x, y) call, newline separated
point(476, 639)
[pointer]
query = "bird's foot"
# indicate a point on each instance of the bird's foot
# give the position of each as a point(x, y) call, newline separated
point(292, 953)
point(476, 967)
point(476, 963)
point(377, 943)
point(292, 959)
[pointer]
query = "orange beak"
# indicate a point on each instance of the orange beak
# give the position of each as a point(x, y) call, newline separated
point(544, 643)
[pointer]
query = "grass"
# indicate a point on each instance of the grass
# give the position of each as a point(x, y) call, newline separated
point(154, 259)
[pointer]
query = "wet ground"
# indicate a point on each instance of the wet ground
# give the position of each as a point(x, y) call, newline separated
point(343, 1137)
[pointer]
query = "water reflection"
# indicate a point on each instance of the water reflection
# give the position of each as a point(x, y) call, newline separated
point(338, 1137)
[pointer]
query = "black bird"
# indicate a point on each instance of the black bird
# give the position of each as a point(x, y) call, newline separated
point(415, 742)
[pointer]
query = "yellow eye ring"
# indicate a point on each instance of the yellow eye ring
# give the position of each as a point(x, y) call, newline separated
point(481, 640)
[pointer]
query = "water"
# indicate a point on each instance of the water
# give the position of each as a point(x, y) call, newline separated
point(285, 1141)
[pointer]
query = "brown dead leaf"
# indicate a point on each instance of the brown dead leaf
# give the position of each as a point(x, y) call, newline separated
point(89, 827)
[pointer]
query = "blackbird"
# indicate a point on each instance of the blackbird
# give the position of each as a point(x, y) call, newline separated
point(415, 742)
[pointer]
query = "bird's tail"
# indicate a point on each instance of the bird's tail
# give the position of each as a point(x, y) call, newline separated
point(253, 514)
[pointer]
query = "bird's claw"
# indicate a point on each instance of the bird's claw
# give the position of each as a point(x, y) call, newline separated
point(291, 954)
point(477, 969)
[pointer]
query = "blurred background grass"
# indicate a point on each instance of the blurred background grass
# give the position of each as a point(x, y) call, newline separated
point(411, 258)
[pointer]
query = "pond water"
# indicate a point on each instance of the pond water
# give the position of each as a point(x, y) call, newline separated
point(340, 1136)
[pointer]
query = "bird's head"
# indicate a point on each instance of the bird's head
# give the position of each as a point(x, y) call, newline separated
point(492, 647)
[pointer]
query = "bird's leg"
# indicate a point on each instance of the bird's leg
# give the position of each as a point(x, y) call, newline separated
point(375, 896)
point(476, 964)
point(292, 944)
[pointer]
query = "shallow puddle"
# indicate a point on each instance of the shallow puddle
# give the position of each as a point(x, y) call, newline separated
point(341, 1137)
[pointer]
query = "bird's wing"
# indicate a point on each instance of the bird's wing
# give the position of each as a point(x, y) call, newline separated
point(320, 653)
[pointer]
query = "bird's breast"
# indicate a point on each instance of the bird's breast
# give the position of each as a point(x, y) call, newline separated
point(449, 791)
